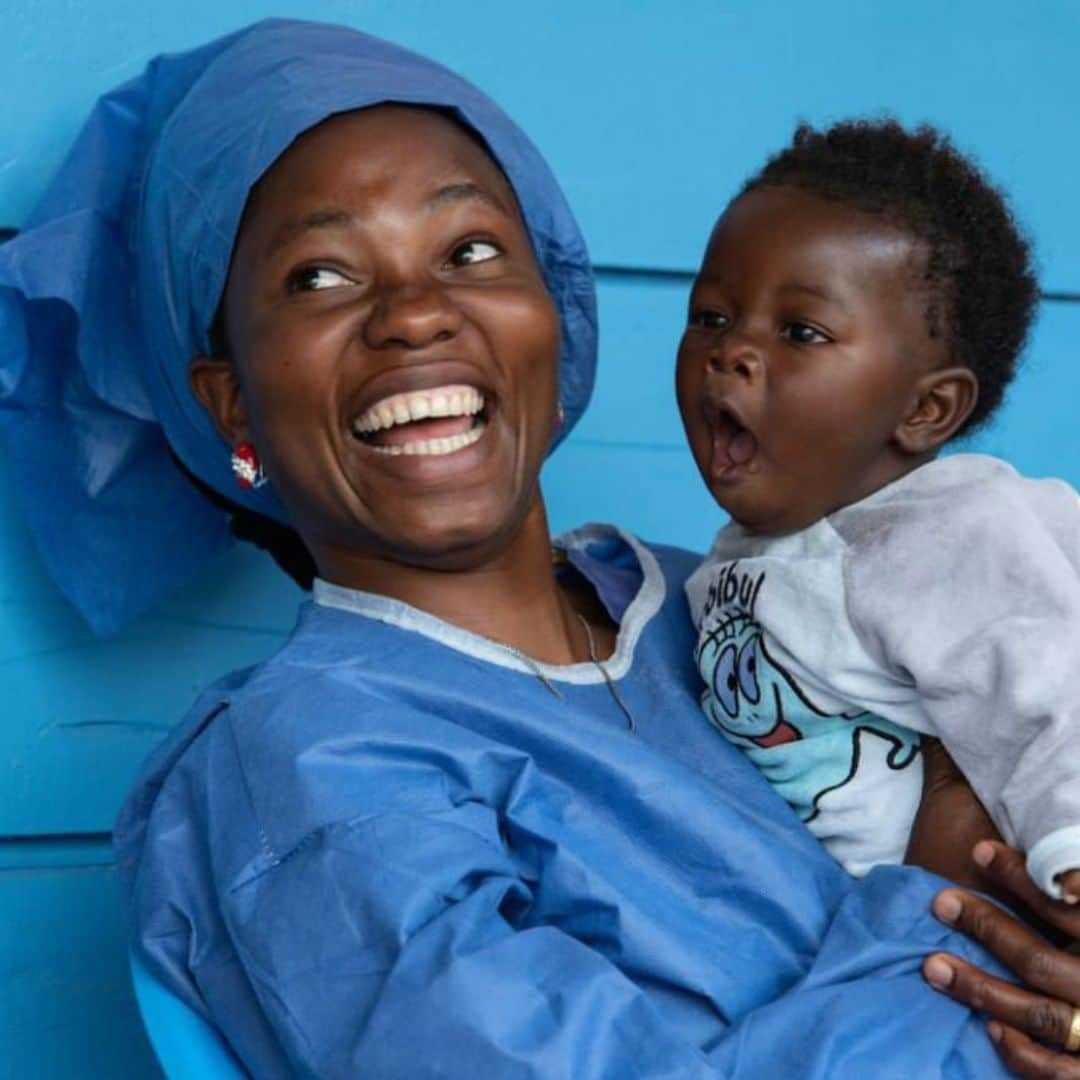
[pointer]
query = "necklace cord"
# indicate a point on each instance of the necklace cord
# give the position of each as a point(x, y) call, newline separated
point(532, 665)
point(612, 688)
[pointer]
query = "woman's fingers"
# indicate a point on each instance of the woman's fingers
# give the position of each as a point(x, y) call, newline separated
point(1007, 868)
point(1044, 1010)
point(1070, 887)
point(1033, 959)
point(1044, 1018)
point(1025, 1057)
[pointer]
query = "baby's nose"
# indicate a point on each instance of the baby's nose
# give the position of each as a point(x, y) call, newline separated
point(735, 355)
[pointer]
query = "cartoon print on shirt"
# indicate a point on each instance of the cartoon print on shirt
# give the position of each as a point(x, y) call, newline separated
point(760, 707)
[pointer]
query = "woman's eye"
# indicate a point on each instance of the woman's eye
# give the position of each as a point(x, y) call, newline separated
point(801, 333)
point(474, 251)
point(315, 278)
point(708, 319)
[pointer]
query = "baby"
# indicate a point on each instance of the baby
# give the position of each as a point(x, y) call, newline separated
point(861, 303)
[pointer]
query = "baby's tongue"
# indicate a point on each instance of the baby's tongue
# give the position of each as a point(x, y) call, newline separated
point(742, 447)
point(439, 427)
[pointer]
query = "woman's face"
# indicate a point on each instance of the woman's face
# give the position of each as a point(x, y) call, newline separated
point(394, 348)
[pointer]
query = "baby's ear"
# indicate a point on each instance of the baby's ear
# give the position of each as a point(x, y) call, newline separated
point(942, 401)
point(214, 383)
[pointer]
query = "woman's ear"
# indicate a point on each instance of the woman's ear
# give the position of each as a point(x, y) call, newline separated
point(214, 383)
point(943, 400)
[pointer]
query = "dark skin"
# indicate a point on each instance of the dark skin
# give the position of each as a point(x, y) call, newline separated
point(384, 253)
point(804, 328)
point(806, 322)
point(401, 262)
point(803, 324)
point(950, 821)
point(1029, 1024)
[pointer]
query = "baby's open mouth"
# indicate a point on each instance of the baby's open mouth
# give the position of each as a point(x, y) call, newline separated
point(732, 444)
point(438, 420)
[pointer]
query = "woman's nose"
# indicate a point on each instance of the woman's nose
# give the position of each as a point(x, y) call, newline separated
point(411, 317)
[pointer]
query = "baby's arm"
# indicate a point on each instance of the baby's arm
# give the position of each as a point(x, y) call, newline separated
point(978, 603)
point(949, 823)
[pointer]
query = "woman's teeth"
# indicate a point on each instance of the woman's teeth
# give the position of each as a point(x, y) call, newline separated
point(419, 405)
point(439, 420)
point(446, 445)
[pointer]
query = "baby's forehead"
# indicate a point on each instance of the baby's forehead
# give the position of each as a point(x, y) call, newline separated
point(794, 211)
point(780, 225)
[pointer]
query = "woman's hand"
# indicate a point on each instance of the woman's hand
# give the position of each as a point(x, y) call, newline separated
point(1048, 1007)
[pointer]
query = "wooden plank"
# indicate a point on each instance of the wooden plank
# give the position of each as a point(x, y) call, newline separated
point(627, 462)
point(80, 714)
point(652, 491)
point(87, 850)
point(1036, 429)
point(651, 113)
point(68, 1006)
point(641, 322)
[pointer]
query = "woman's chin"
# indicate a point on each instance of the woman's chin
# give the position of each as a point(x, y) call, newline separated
point(455, 532)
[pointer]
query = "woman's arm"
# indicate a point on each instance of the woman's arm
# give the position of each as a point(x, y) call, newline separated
point(419, 950)
point(403, 944)
point(464, 915)
point(1050, 1010)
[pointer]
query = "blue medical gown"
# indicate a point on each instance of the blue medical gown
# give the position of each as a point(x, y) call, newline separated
point(392, 851)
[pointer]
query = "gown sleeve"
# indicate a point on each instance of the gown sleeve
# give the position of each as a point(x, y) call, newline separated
point(433, 962)
point(408, 940)
point(978, 606)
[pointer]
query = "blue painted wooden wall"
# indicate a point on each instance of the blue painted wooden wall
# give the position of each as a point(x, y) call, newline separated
point(651, 113)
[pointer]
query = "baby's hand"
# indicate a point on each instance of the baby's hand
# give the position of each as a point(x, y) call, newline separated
point(1070, 886)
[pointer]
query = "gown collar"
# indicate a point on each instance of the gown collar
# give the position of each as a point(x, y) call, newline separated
point(625, 573)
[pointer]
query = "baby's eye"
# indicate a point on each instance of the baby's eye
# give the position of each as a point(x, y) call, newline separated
point(708, 319)
point(801, 333)
point(474, 251)
point(316, 278)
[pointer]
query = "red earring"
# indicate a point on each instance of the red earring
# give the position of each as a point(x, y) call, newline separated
point(246, 466)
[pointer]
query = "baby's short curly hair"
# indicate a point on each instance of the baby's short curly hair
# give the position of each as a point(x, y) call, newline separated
point(977, 274)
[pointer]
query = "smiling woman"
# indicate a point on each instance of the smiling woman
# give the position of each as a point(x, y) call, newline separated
point(470, 820)
point(392, 349)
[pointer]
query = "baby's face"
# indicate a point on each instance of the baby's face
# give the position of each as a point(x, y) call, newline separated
point(807, 335)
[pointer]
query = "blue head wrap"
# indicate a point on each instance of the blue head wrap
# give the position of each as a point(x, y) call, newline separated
point(110, 290)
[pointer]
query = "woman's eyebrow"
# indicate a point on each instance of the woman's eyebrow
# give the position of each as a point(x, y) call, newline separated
point(317, 219)
point(331, 218)
point(463, 190)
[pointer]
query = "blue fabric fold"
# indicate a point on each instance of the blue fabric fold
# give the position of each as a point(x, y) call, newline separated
point(386, 853)
point(110, 289)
